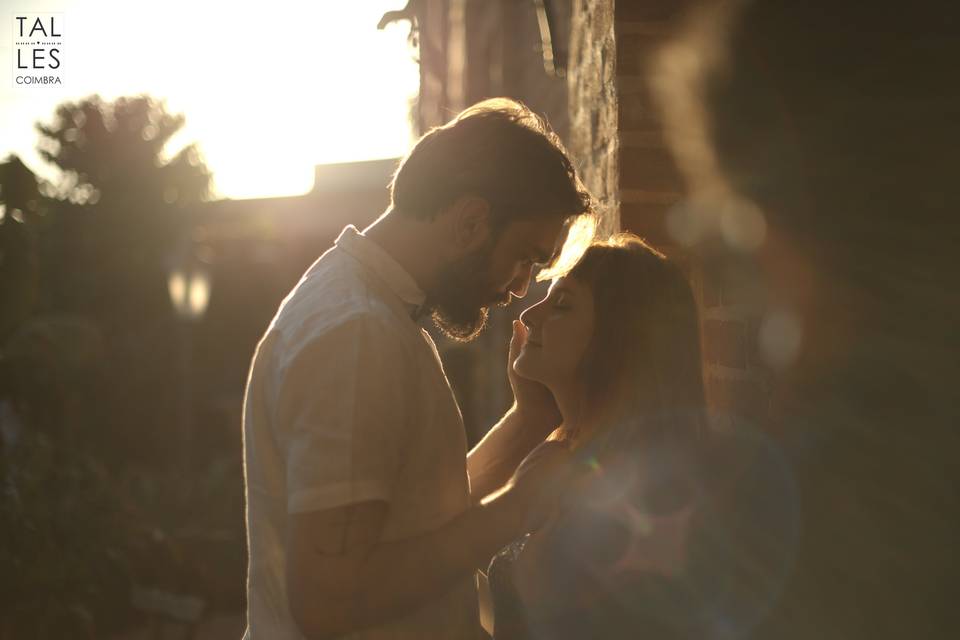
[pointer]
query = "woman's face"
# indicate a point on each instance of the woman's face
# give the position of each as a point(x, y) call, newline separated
point(559, 331)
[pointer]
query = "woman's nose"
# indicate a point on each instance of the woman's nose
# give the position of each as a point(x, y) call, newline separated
point(525, 317)
point(529, 315)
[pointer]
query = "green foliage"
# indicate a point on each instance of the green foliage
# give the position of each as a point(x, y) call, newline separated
point(93, 499)
point(122, 205)
point(61, 549)
point(119, 152)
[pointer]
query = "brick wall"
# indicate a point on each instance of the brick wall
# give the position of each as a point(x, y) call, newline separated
point(650, 181)
point(620, 125)
point(593, 102)
point(621, 119)
point(832, 328)
point(616, 121)
point(732, 299)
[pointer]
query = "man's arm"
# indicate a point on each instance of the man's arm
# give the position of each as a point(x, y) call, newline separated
point(341, 578)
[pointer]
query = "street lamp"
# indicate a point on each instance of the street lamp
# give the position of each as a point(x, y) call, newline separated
point(189, 286)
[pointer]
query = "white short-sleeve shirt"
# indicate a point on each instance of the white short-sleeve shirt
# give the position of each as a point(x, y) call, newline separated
point(347, 401)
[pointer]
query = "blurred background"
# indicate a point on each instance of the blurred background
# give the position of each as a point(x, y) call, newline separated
point(796, 158)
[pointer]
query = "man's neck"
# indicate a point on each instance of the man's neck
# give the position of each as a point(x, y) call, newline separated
point(411, 243)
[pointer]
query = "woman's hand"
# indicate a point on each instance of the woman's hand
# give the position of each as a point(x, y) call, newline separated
point(534, 402)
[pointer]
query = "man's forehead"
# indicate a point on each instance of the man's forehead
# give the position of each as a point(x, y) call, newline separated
point(542, 235)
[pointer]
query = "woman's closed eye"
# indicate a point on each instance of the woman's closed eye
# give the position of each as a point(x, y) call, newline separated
point(561, 302)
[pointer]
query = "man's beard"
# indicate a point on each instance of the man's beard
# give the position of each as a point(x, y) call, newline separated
point(455, 305)
point(462, 330)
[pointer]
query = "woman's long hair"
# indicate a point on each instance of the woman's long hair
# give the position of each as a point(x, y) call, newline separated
point(643, 407)
point(642, 373)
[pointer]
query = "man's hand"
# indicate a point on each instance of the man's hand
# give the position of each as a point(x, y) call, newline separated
point(532, 418)
point(534, 402)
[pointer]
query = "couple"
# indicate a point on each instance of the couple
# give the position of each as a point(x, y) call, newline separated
point(366, 515)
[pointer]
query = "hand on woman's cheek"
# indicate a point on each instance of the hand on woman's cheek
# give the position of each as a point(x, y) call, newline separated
point(559, 329)
point(534, 400)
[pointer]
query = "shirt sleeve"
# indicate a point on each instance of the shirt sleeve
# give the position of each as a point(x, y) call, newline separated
point(341, 415)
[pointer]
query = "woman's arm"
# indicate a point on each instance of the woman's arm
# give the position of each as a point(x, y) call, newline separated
point(342, 577)
point(494, 459)
point(529, 421)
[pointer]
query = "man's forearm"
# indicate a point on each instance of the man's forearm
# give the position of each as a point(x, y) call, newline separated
point(398, 576)
point(493, 460)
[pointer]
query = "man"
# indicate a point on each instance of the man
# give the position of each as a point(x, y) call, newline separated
point(365, 516)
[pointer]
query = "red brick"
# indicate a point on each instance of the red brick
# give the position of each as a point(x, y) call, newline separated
point(725, 343)
point(647, 221)
point(636, 111)
point(650, 10)
point(712, 288)
point(742, 286)
point(746, 400)
point(633, 52)
point(649, 169)
point(754, 357)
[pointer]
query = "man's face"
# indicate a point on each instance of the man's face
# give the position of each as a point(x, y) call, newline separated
point(492, 275)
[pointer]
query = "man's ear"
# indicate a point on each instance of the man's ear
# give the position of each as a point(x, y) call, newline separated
point(469, 222)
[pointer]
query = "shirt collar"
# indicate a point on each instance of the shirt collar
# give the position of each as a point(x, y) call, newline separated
point(372, 256)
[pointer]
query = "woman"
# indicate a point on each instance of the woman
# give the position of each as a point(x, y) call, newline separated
point(616, 340)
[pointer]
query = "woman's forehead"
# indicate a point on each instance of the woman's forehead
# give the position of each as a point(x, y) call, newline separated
point(566, 283)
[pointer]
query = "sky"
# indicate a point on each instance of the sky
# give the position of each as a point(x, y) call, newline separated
point(268, 91)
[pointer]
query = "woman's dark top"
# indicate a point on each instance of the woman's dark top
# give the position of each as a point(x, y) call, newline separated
point(619, 565)
point(589, 596)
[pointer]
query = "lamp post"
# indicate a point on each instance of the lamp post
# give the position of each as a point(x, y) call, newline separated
point(189, 286)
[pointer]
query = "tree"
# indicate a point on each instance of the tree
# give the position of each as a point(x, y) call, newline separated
point(21, 203)
point(86, 337)
point(123, 203)
point(109, 149)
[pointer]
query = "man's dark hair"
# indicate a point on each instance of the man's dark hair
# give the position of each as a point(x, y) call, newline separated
point(499, 150)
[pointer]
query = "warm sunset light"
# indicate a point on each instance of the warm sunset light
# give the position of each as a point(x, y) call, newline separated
point(500, 320)
point(267, 93)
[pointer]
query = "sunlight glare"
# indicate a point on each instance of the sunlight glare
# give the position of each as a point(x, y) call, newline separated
point(268, 91)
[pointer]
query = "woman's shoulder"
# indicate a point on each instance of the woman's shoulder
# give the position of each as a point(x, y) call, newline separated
point(671, 542)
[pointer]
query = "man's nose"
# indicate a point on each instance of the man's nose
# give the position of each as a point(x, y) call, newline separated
point(521, 284)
